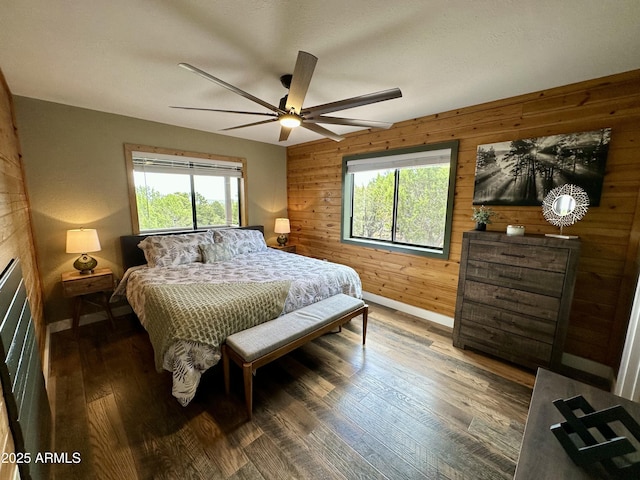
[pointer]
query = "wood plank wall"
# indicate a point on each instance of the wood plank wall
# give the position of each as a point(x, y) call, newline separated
point(16, 240)
point(608, 265)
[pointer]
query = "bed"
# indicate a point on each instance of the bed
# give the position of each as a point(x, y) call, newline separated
point(191, 291)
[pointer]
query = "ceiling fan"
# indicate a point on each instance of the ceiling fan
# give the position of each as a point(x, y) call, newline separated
point(291, 113)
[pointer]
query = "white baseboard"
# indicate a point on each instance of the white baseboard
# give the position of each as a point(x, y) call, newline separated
point(46, 360)
point(589, 366)
point(409, 309)
point(66, 324)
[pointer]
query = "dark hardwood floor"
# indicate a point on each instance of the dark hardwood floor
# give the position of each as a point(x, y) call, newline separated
point(408, 405)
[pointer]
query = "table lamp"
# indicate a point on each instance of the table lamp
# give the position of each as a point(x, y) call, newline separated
point(83, 240)
point(282, 227)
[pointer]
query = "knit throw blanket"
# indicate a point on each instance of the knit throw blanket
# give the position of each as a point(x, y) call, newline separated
point(208, 313)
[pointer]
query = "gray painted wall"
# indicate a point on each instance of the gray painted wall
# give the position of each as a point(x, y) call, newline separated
point(76, 177)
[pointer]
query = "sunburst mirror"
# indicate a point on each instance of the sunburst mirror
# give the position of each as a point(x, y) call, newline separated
point(563, 206)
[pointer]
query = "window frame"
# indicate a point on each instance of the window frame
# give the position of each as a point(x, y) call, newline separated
point(129, 150)
point(347, 201)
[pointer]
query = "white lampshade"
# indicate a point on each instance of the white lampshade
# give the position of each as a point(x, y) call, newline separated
point(282, 225)
point(83, 240)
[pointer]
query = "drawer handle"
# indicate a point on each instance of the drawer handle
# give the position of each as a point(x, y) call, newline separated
point(513, 323)
point(506, 299)
point(516, 255)
point(509, 277)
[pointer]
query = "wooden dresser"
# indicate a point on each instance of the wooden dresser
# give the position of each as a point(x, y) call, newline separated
point(514, 296)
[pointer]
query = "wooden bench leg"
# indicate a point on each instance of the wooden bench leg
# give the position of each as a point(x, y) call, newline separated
point(365, 314)
point(248, 367)
point(247, 373)
point(225, 369)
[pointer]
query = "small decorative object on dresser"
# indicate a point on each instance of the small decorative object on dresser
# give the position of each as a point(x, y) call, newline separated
point(515, 230)
point(81, 286)
point(514, 296)
point(482, 217)
point(563, 206)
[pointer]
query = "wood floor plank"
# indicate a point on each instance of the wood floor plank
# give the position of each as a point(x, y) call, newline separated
point(385, 461)
point(72, 428)
point(270, 461)
point(248, 472)
point(345, 459)
point(406, 405)
point(160, 440)
point(429, 447)
point(70, 418)
point(316, 383)
point(507, 438)
point(229, 458)
point(108, 441)
point(96, 377)
point(288, 423)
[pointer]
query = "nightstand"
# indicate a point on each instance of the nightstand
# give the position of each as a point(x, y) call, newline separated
point(82, 287)
point(285, 248)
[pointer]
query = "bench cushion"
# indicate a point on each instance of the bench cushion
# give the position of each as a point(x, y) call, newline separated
point(262, 339)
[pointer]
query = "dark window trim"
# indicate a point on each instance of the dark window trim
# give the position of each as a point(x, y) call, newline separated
point(347, 202)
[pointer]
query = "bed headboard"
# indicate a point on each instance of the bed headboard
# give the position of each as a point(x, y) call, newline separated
point(133, 256)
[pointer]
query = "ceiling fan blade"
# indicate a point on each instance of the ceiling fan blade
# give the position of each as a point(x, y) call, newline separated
point(228, 86)
point(225, 111)
point(322, 131)
point(250, 124)
point(313, 112)
point(349, 121)
point(284, 133)
point(302, 73)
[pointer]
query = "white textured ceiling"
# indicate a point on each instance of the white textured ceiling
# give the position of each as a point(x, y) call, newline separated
point(121, 56)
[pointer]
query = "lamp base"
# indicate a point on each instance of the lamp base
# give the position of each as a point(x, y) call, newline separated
point(85, 264)
point(282, 239)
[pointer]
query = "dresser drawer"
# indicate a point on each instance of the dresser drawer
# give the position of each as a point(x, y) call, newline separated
point(83, 286)
point(530, 256)
point(531, 327)
point(518, 301)
point(521, 278)
point(522, 350)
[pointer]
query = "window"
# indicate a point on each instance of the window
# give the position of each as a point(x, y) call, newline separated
point(400, 200)
point(174, 190)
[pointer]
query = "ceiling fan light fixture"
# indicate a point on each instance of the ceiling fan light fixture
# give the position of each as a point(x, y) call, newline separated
point(290, 120)
point(290, 112)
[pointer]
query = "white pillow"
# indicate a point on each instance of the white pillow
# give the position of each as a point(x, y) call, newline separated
point(167, 250)
point(241, 242)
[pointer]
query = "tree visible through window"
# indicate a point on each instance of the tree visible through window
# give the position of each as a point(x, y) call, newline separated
point(400, 199)
point(176, 192)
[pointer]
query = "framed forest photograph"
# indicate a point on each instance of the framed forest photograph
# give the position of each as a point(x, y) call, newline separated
point(522, 172)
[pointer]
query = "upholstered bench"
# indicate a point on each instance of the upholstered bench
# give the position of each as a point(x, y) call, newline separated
point(259, 345)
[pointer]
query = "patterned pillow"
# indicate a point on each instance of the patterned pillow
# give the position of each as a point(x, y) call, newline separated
point(167, 250)
point(215, 252)
point(241, 242)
